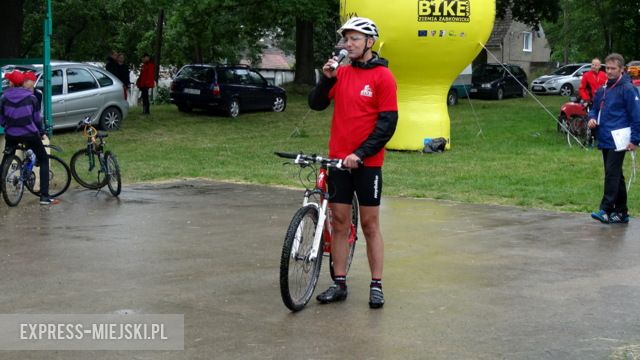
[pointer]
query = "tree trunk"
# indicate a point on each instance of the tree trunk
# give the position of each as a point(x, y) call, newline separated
point(11, 21)
point(305, 73)
point(636, 47)
point(565, 34)
point(604, 16)
point(158, 44)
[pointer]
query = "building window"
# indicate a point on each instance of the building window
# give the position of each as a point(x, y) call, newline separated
point(528, 39)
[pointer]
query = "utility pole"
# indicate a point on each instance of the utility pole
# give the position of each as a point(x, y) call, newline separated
point(46, 69)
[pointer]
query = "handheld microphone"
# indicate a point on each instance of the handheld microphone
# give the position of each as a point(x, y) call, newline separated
point(343, 54)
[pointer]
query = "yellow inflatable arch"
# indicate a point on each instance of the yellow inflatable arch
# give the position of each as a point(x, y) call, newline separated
point(428, 43)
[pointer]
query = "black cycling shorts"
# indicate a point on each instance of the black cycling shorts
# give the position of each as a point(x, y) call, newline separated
point(366, 182)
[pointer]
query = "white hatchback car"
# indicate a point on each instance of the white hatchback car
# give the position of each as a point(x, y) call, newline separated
point(564, 81)
point(79, 90)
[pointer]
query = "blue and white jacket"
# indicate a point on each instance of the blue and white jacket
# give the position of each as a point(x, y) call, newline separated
point(618, 106)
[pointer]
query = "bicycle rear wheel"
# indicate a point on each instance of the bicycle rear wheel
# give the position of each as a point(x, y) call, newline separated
point(59, 178)
point(11, 182)
point(298, 273)
point(88, 175)
point(114, 182)
point(353, 236)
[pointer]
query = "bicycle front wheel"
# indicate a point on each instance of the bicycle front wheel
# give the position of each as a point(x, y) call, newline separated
point(87, 170)
point(298, 271)
point(12, 183)
point(114, 182)
point(59, 178)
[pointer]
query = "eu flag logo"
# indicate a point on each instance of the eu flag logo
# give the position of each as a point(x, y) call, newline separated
point(423, 33)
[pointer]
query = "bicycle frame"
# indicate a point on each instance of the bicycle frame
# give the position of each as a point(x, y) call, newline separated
point(324, 226)
point(98, 147)
point(22, 148)
point(90, 133)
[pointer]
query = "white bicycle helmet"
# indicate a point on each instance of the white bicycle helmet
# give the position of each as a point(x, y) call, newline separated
point(360, 24)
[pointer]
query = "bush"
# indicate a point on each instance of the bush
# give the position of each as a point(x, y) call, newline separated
point(162, 96)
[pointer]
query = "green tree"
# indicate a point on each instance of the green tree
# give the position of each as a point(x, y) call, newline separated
point(311, 26)
point(595, 28)
point(531, 12)
point(82, 32)
point(212, 31)
point(226, 30)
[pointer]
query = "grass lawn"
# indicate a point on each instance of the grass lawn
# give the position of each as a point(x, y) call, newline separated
point(517, 159)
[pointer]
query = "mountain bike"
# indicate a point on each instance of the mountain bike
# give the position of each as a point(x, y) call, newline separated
point(17, 173)
point(90, 173)
point(308, 236)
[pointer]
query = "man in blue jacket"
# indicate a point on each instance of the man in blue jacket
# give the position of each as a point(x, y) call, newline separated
point(20, 117)
point(615, 106)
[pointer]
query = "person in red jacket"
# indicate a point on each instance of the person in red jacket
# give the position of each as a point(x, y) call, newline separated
point(146, 81)
point(591, 81)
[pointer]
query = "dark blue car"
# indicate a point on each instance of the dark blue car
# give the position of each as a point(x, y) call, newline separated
point(497, 81)
point(231, 88)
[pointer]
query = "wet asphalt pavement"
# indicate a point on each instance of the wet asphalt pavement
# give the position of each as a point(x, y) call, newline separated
point(461, 281)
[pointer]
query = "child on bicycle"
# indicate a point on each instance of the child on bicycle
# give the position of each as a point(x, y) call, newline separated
point(20, 117)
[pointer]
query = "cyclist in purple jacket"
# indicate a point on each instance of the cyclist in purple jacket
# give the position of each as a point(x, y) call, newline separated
point(20, 117)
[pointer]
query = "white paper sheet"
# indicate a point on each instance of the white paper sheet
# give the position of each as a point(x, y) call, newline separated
point(621, 137)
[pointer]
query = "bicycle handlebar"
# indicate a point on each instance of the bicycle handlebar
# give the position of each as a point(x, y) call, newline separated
point(88, 130)
point(85, 121)
point(303, 160)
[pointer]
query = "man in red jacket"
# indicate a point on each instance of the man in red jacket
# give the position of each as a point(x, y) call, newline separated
point(146, 81)
point(592, 81)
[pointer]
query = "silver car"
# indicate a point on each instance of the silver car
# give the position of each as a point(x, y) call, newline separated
point(564, 81)
point(79, 90)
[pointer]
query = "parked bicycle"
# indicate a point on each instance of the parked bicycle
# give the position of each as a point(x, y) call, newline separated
point(573, 122)
point(309, 234)
point(17, 173)
point(93, 167)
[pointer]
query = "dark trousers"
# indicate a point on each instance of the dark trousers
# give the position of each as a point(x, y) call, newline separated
point(145, 100)
point(615, 190)
point(34, 143)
